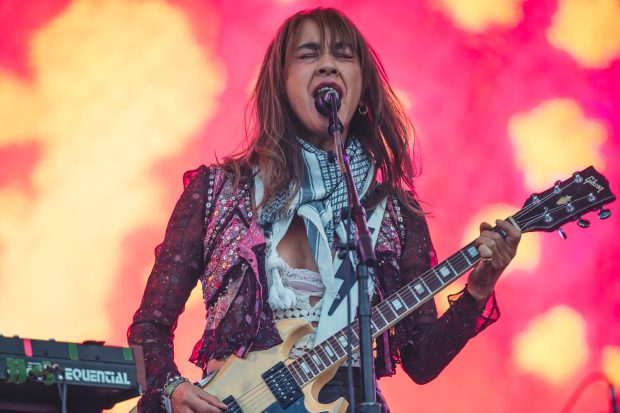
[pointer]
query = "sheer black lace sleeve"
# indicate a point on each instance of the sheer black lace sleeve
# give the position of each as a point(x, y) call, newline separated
point(178, 263)
point(425, 343)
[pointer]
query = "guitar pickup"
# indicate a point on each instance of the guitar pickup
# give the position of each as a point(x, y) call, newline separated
point(282, 385)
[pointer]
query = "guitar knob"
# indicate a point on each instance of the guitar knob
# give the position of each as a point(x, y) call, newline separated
point(583, 223)
point(604, 213)
point(562, 233)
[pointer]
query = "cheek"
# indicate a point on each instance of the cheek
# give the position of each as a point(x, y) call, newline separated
point(295, 91)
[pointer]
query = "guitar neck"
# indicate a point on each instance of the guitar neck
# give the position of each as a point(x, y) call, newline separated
point(385, 314)
point(566, 201)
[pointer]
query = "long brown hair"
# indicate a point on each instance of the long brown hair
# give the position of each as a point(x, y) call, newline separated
point(385, 131)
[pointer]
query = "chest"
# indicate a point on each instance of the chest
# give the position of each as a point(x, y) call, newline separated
point(294, 248)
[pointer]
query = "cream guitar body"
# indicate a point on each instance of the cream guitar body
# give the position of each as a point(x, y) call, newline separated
point(240, 383)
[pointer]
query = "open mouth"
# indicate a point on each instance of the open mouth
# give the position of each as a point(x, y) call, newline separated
point(327, 86)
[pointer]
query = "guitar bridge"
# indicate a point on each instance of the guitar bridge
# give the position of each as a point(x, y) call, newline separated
point(282, 385)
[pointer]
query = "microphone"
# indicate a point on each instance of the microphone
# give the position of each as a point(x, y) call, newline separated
point(326, 99)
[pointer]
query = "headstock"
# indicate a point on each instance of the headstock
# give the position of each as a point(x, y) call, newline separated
point(566, 201)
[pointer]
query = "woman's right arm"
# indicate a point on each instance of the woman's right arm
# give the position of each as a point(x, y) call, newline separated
point(178, 264)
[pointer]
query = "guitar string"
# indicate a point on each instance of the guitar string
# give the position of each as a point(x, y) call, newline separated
point(261, 393)
point(261, 390)
point(258, 402)
point(553, 210)
point(258, 395)
point(458, 260)
point(546, 198)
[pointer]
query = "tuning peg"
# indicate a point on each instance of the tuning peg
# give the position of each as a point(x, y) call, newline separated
point(583, 223)
point(562, 233)
point(604, 213)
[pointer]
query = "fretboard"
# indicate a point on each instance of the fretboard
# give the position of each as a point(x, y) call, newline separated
point(385, 314)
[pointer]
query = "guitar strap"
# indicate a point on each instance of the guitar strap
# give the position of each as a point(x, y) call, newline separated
point(334, 310)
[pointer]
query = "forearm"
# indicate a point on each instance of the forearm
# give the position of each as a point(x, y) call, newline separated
point(434, 345)
point(177, 267)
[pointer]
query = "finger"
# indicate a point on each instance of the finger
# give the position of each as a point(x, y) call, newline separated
point(506, 247)
point(485, 226)
point(501, 247)
point(199, 405)
point(513, 234)
point(485, 252)
point(211, 399)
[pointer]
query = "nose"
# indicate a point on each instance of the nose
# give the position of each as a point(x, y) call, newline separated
point(327, 66)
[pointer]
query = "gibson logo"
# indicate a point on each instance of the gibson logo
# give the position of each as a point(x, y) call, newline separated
point(592, 181)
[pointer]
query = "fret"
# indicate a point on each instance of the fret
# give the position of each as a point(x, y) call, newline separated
point(444, 272)
point(294, 369)
point(412, 292)
point(406, 293)
point(373, 326)
point(340, 351)
point(420, 289)
point(329, 351)
point(317, 360)
point(378, 321)
point(304, 368)
point(449, 264)
point(342, 340)
point(397, 304)
point(433, 281)
point(457, 265)
point(327, 361)
point(310, 364)
point(335, 345)
point(381, 319)
point(469, 263)
point(383, 307)
point(304, 378)
point(355, 338)
point(382, 315)
point(473, 253)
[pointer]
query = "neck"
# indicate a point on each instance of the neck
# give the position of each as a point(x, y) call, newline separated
point(324, 142)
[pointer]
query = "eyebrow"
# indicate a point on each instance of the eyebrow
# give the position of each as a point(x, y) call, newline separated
point(316, 46)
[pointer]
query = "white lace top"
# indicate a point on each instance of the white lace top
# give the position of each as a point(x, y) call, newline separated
point(305, 284)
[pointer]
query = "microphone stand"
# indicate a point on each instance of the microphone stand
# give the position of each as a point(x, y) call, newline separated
point(366, 258)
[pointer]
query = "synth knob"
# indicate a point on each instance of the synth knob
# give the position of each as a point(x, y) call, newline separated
point(583, 223)
point(562, 233)
point(604, 213)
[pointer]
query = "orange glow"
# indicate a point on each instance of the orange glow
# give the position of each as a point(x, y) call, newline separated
point(535, 348)
point(554, 140)
point(104, 104)
point(587, 30)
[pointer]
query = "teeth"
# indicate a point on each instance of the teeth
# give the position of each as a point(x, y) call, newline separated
point(325, 88)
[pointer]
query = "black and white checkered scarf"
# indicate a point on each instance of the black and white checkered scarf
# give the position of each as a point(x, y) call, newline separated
point(322, 195)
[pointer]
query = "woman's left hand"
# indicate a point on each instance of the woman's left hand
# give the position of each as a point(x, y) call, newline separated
point(496, 252)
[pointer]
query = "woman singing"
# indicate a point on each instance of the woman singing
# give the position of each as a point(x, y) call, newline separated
point(260, 230)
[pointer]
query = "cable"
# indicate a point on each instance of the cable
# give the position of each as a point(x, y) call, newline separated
point(584, 384)
point(61, 385)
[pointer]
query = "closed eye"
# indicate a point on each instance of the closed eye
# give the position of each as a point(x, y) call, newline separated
point(344, 55)
point(307, 56)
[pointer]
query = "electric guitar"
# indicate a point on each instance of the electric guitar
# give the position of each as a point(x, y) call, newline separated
point(268, 381)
